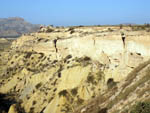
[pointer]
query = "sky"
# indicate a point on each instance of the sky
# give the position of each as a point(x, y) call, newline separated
point(77, 12)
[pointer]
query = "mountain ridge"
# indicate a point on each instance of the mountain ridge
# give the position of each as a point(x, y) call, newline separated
point(16, 26)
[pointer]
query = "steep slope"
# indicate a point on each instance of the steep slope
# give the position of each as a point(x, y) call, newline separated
point(50, 83)
point(65, 69)
point(121, 99)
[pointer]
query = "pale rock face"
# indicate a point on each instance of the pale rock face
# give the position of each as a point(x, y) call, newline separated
point(104, 59)
point(134, 59)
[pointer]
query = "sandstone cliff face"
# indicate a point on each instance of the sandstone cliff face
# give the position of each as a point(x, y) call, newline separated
point(92, 43)
point(59, 71)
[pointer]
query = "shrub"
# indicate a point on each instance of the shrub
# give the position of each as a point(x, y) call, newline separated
point(141, 107)
point(110, 30)
point(63, 93)
point(111, 83)
point(90, 79)
point(49, 30)
point(12, 62)
point(41, 55)
point(71, 28)
point(80, 101)
point(104, 110)
point(71, 32)
point(34, 102)
point(86, 58)
point(68, 57)
point(28, 54)
point(38, 85)
point(100, 75)
point(31, 110)
point(84, 61)
point(59, 74)
point(74, 91)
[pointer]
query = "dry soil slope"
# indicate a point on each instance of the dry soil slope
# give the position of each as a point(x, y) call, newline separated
point(135, 88)
point(54, 78)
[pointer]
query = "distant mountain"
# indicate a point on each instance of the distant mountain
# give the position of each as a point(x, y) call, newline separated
point(16, 26)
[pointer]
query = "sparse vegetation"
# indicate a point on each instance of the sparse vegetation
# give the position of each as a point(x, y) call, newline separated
point(141, 27)
point(111, 83)
point(47, 73)
point(100, 75)
point(55, 90)
point(49, 29)
point(84, 61)
point(86, 58)
point(38, 85)
point(74, 91)
point(110, 30)
point(67, 57)
point(34, 102)
point(141, 107)
point(31, 110)
point(90, 79)
point(63, 93)
point(41, 55)
point(104, 110)
point(66, 108)
point(28, 54)
point(80, 101)
point(59, 74)
point(12, 62)
point(71, 28)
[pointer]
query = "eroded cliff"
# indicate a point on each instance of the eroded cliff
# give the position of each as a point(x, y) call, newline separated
point(60, 71)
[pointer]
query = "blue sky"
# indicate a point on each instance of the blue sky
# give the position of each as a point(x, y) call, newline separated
point(77, 12)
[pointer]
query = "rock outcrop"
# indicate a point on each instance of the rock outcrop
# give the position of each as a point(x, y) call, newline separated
point(61, 70)
point(13, 109)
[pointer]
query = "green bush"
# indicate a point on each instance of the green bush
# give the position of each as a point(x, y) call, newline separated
point(141, 107)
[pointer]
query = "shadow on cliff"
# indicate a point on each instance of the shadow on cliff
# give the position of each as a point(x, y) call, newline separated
point(6, 100)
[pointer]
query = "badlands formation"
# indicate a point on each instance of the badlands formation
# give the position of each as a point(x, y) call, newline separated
point(75, 70)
